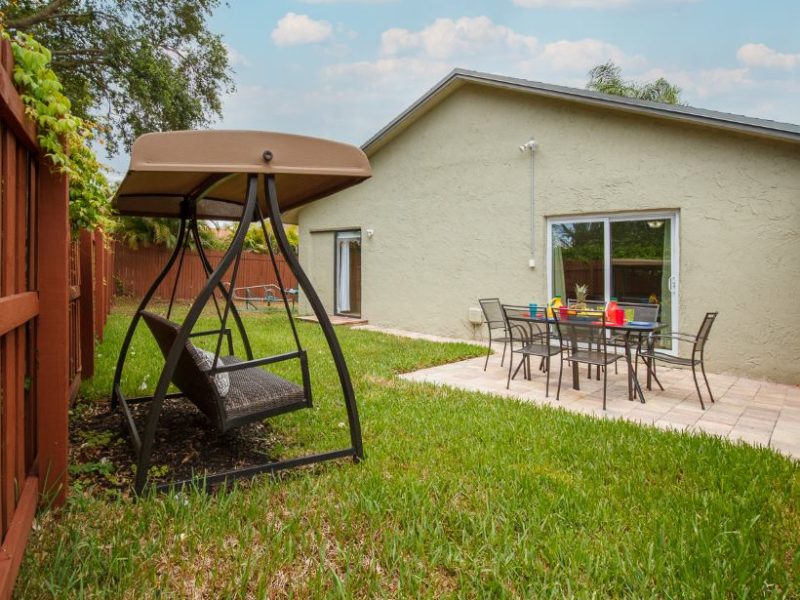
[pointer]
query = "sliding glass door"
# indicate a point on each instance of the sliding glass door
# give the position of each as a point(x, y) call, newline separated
point(632, 258)
point(347, 282)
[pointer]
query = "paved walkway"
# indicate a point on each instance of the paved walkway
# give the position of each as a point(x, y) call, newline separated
point(757, 412)
point(336, 320)
point(418, 336)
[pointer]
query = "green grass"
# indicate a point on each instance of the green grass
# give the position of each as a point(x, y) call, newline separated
point(462, 494)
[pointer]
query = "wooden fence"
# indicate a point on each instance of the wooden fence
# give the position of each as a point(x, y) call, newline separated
point(91, 279)
point(41, 300)
point(34, 261)
point(135, 271)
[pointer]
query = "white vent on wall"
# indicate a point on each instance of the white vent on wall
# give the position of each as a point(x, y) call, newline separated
point(475, 315)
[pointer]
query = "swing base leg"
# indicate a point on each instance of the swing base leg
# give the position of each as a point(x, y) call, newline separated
point(226, 477)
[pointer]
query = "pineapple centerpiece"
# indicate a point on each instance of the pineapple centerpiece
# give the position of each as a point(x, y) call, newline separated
point(581, 291)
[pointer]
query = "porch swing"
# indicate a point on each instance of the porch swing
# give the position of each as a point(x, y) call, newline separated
point(243, 176)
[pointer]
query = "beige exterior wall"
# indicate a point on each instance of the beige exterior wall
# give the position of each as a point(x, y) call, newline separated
point(317, 258)
point(449, 204)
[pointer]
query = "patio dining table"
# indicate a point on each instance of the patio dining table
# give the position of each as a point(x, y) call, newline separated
point(639, 328)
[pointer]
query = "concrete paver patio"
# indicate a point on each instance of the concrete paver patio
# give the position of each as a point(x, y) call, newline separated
point(756, 412)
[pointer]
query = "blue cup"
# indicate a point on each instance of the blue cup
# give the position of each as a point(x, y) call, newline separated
point(532, 308)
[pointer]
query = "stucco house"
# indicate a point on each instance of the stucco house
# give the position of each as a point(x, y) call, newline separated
point(494, 186)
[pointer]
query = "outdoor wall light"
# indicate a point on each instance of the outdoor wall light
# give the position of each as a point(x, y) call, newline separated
point(370, 233)
point(529, 145)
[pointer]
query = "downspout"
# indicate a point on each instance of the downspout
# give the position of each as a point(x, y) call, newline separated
point(530, 146)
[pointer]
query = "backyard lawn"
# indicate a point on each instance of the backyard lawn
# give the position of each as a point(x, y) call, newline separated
point(461, 494)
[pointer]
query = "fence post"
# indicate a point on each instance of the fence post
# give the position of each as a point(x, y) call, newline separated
point(97, 290)
point(87, 305)
point(52, 398)
point(106, 278)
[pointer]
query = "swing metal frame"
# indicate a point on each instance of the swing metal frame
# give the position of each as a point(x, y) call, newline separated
point(261, 183)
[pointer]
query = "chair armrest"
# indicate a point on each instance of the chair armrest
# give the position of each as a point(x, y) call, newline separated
point(226, 331)
point(257, 362)
point(676, 335)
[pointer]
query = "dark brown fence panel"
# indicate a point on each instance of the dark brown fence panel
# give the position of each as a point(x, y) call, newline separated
point(87, 335)
point(75, 362)
point(135, 271)
point(34, 339)
point(91, 277)
point(108, 279)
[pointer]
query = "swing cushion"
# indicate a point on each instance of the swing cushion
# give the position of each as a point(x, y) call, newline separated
point(205, 360)
point(253, 395)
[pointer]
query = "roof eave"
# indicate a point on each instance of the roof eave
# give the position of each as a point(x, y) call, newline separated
point(458, 77)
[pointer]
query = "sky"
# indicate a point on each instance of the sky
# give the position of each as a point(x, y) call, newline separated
point(342, 69)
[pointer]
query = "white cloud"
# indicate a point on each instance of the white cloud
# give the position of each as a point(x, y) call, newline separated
point(478, 42)
point(294, 29)
point(445, 38)
point(411, 61)
point(394, 72)
point(761, 55)
point(236, 58)
point(595, 4)
point(582, 55)
point(704, 83)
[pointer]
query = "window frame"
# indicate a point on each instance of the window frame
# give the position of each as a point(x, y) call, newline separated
point(606, 219)
point(343, 234)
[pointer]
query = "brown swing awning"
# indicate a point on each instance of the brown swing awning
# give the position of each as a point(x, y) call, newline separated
point(167, 167)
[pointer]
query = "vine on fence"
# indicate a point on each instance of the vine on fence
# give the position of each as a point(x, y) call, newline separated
point(64, 138)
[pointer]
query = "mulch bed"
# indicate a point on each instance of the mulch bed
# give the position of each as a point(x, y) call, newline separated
point(102, 457)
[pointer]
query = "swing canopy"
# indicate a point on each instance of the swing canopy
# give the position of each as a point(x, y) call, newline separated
point(167, 167)
point(248, 177)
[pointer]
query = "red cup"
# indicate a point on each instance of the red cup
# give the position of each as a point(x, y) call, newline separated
point(563, 313)
point(619, 316)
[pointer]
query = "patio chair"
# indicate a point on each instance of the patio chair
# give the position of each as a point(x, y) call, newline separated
point(649, 354)
point(496, 322)
point(534, 339)
point(573, 333)
point(593, 305)
point(642, 311)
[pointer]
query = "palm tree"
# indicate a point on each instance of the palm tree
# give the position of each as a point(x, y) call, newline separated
point(607, 78)
point(254, 239)
point(151, 231)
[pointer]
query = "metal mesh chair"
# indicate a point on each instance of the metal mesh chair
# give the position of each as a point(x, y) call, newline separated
point(573, 333)
point(594, 306)
point(534, 339)
point(697, 358)
point(641, 312)
point(495, 322)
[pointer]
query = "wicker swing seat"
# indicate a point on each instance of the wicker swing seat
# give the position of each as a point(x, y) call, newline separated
point(253, 395)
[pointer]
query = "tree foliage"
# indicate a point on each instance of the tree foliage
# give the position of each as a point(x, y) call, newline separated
point(607, 78)
point(585, 242)
point(64, 137)
point(138, 232)
point(254, 238)
point(133, 66)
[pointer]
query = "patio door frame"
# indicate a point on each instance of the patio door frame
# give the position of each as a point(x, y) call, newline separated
point(606, 219)
point(336, 266)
